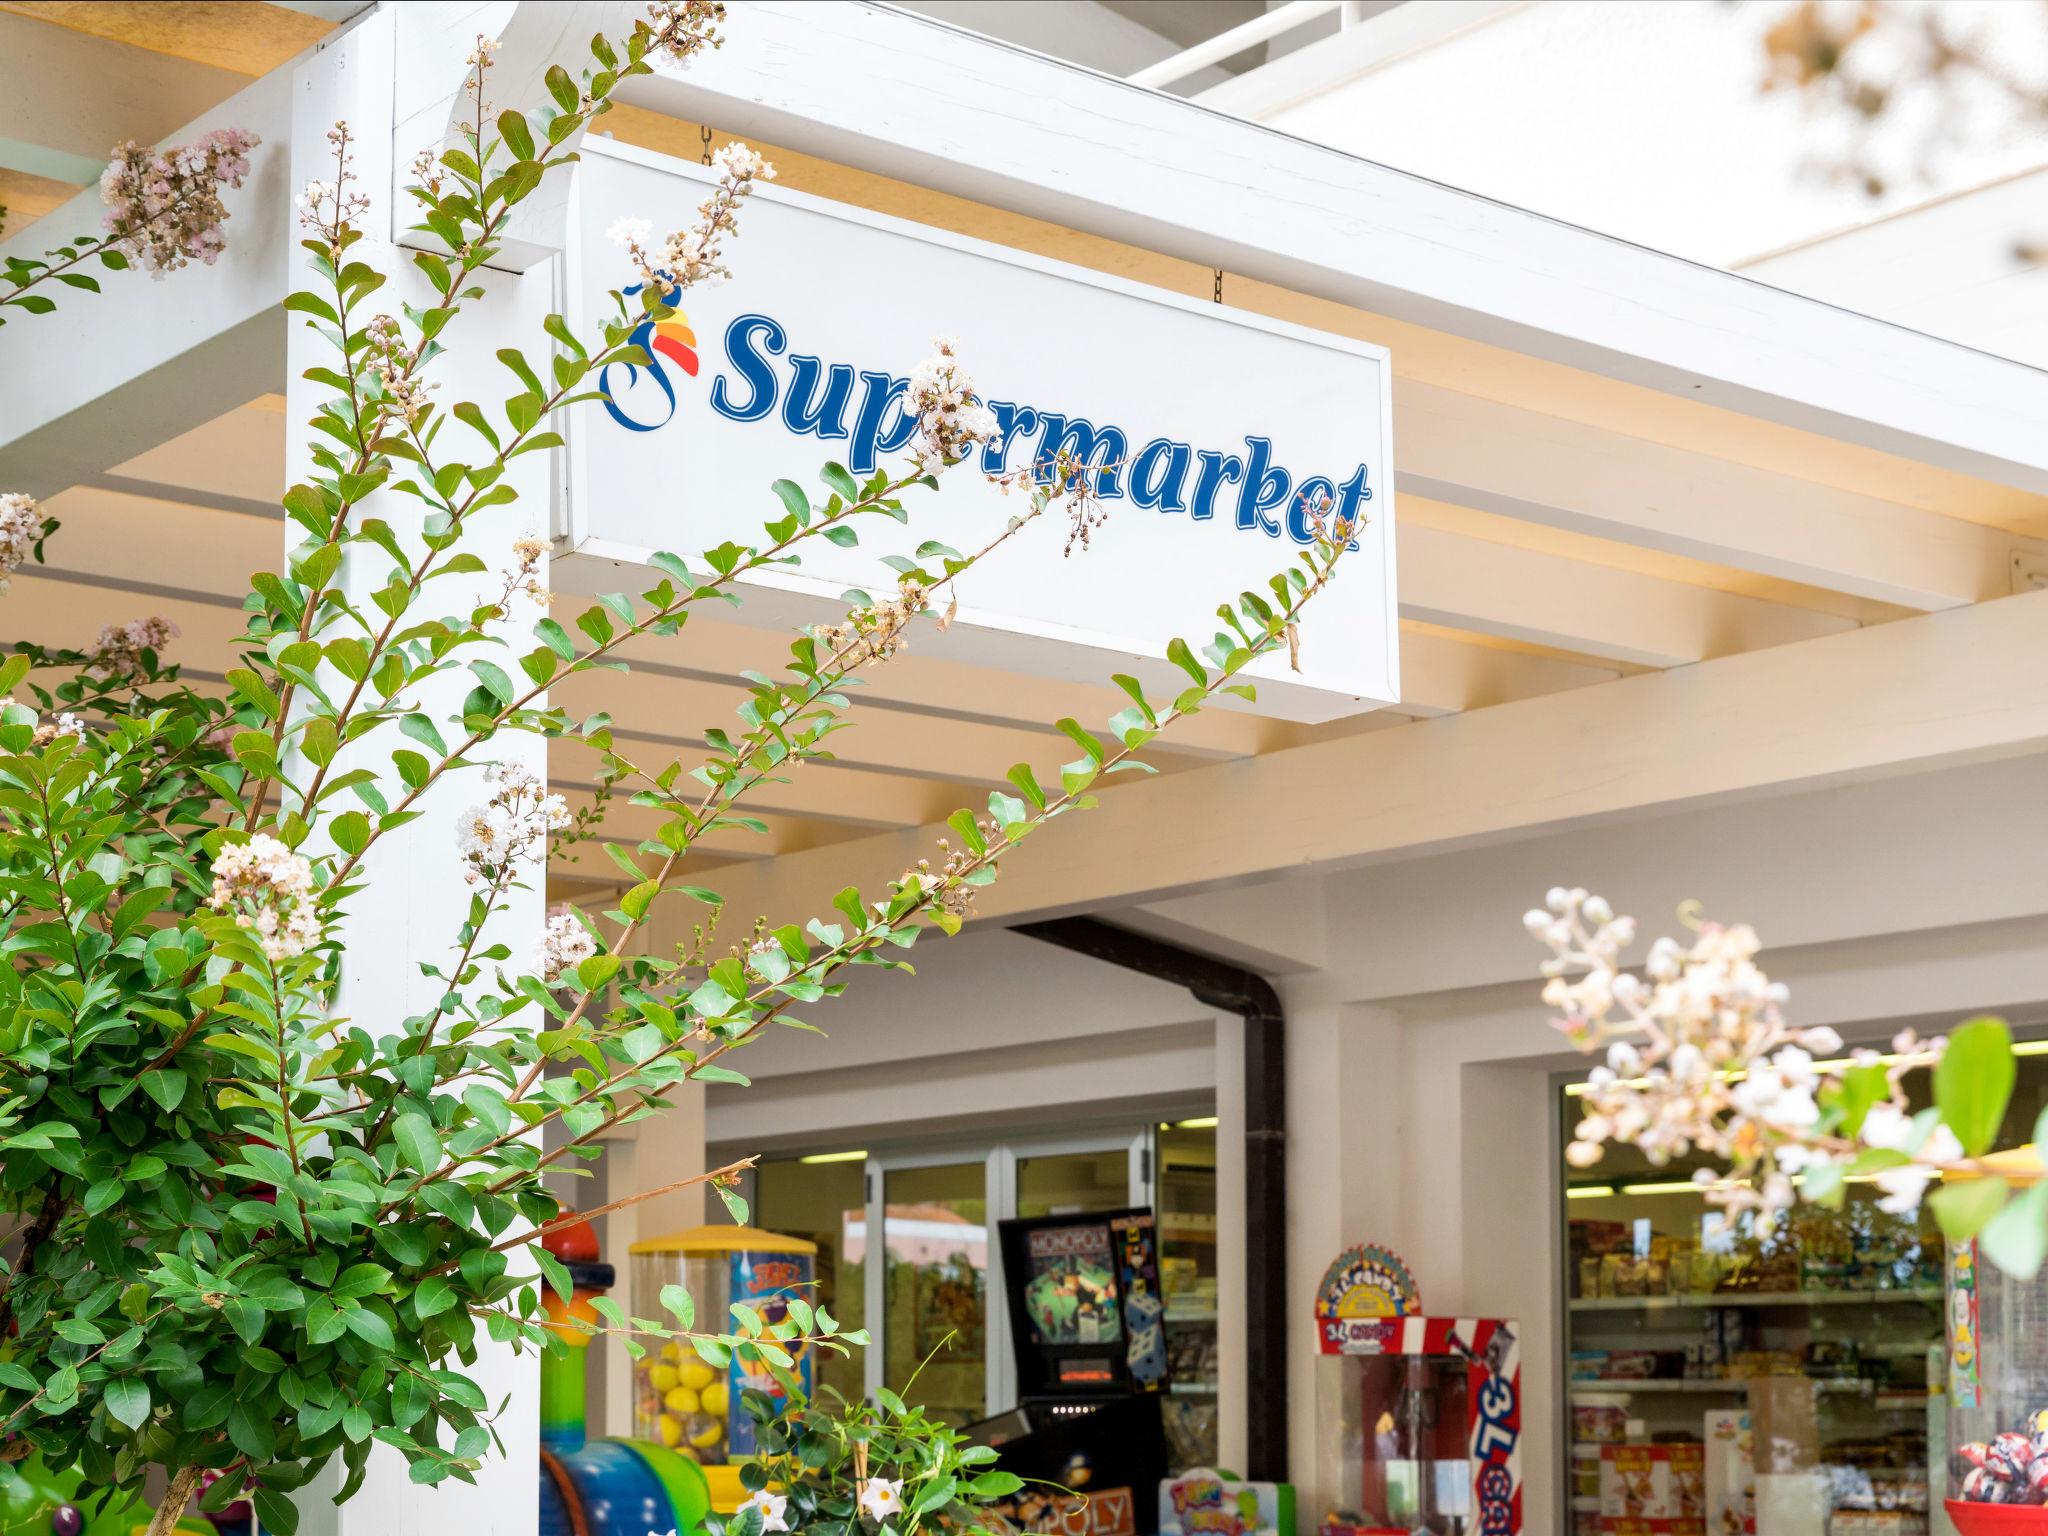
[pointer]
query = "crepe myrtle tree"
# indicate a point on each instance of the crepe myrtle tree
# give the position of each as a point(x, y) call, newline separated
point(1703, 1059)
point(259, 1230)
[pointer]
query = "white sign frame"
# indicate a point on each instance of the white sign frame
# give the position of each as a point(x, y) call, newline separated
point(587, 562)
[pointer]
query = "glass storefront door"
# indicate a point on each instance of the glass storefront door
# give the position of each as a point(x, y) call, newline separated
point(935, 1252)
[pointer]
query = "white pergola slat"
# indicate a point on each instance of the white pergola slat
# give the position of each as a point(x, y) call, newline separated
point(1568, 474)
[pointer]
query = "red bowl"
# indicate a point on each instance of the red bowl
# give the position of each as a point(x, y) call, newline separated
point(1997, 1519)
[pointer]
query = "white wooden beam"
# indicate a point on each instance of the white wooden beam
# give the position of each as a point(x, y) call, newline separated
point(965, 115)
point(1960, 686)
point(1443, 674)
point(1600, 611)
point(76, 96)
point(1568, 474)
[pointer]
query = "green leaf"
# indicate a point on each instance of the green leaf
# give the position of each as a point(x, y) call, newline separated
point(166, 1086)
point(435, 1295)
point(2016, 1239)
point(1973, 1082)
point(127, 1400)
point(369, 1327)
point(1178, 653)
point(276, 1512)
point(417, 1143)
point(493, 677)
point(1964, 1207)
point(250, 1430)
point(422, 730)
point(794, 499)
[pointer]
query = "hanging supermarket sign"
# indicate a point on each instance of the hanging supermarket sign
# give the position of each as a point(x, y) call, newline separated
point(1212, 433)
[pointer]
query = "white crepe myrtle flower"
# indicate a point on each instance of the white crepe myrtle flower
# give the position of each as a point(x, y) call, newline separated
point(509, 829)
point(951, 419)
point(269, 889)
point(688, 258)
point(629, 232)
point(881, 1497)
point(1701, 1061)
point(771, 1507)
point(565, 944)
point(21, 525)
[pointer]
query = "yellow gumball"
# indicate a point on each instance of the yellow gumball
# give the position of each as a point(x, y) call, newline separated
point(712, 1399)
point(697, 1375)
point(707, 1437)
point(672, 1352)
point(681, 1401)
point(664, 1378)
point(669, 1428)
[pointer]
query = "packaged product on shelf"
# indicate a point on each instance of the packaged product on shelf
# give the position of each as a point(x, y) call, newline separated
point(1730, 1475)
point(1600, 1418)
point(1631, 1364)
point(1588, 1364)
point(1652, 1482)
point(1877, 1522)
point(1589, 1276)
point(1706, 1272)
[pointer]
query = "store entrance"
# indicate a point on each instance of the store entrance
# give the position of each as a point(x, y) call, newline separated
point(930, 1291)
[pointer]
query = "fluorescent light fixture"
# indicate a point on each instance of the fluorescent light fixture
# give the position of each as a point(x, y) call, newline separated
point(835, 1157)
point(1676, 1187)
point(1199, 1123)
point(1588, 1191)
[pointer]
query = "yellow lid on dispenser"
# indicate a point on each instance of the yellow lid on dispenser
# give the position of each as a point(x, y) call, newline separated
point(724, 1239)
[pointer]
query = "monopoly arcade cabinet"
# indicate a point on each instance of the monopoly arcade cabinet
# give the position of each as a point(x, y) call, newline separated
point(1087, 1319)
point(1419, 1417)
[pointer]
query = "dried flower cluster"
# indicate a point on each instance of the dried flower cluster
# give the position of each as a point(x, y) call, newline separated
point(388, 360)
point(509, 829)
point(951, 420)
point(947, 886)
point(120, 647)
point(688, 258)
point(527, 552)
point(478, 65)
point(565, 944)
point(876, 631)
point(684, 28)
point(164, 207)
point(269, 889)
point(1070, 482)
point(1701, 1059)
point(326, 207)
point(21, 525)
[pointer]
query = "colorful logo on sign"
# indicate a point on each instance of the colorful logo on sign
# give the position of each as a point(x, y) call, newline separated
point(669, 338)
point(1367, 1281)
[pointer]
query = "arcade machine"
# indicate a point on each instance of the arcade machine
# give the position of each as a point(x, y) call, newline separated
point(1087, 1320)
point(1419, 1417)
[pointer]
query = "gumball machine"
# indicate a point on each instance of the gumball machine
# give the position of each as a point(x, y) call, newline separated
point(678, 1399)
point(1997, 1398)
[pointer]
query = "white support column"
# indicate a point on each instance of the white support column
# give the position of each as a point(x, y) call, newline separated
point(1346, 1167)
point(418, 899)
